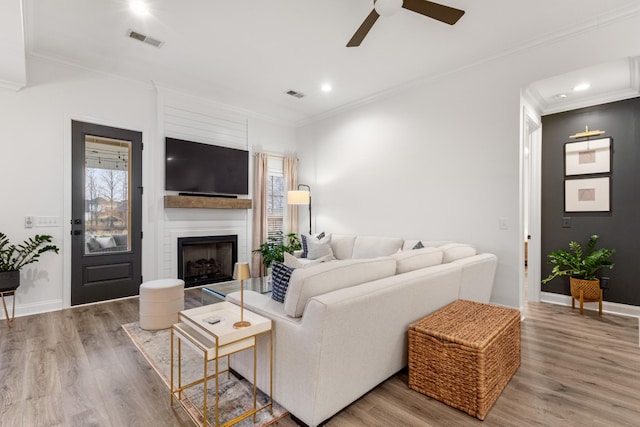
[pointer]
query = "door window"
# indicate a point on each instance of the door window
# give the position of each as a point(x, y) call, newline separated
point(107, 194)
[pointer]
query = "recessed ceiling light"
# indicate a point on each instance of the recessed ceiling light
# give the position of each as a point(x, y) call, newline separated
point(582, 86)
point(326, 88)
point(139, 7)
point(561, 96)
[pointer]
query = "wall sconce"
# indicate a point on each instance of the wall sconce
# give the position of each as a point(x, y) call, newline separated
point(301, 197)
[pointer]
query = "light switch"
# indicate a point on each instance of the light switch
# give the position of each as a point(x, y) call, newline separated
point(503, 223)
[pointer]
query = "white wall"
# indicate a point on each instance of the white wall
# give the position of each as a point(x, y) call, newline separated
point(441, 159)
point(35, 142)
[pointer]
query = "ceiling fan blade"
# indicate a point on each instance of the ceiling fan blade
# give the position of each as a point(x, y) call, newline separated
point(446, 14)
point(362, 32)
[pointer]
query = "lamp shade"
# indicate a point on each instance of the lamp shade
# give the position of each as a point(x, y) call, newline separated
point(298, 197)
point(241, 271)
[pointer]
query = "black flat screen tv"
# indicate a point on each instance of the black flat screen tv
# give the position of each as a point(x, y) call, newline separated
point(196, 168)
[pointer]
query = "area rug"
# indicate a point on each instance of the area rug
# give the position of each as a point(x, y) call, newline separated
point(235, 395)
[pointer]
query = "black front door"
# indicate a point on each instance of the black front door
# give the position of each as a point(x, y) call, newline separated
point(107, 213)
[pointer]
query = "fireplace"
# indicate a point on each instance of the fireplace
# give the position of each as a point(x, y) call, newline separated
point(206, 259)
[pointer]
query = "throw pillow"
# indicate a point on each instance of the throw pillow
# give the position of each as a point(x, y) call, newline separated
point(418, 245)
point(306, 238)
point(93, 244)
point(106, 242)
point(280, 276)
point(319, 248)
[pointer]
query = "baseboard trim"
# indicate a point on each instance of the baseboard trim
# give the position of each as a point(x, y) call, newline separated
point(34, 308)
point(607, 307)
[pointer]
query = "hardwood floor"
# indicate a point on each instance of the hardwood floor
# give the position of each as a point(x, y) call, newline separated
point(77, 367)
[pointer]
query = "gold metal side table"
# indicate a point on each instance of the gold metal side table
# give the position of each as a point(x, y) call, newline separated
point(209, 330)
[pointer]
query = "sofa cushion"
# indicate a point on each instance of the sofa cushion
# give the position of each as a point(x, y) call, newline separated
point(280, 276)
point(292, 261)
point(375, 246)
point(455, 251)
point(342, 245)
point(419, 258)
point(320, 279)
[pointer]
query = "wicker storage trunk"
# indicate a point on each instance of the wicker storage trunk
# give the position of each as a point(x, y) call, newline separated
point(464, 354)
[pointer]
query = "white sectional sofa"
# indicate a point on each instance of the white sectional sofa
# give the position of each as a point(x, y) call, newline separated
point(342, 328)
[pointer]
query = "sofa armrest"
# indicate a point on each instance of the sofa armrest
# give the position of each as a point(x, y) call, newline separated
point(478, 273)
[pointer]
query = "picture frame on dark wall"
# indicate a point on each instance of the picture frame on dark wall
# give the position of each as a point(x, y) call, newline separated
point(587, 195)
point(587, 157)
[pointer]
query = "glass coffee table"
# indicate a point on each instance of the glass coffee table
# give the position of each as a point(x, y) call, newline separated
point(217, 292)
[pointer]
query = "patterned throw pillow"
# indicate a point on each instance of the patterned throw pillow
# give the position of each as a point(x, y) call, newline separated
point(418, 245)
point(280, 276)
point(305, 244)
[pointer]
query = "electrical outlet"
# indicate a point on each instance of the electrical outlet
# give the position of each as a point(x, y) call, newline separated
point(566, 222)
point(604, 282)
point(28, 222)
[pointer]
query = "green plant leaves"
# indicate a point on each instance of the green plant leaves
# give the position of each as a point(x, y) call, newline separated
point(578, 264)
point(14, 257)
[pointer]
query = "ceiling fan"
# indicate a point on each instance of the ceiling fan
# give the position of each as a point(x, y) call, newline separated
point(446, 14)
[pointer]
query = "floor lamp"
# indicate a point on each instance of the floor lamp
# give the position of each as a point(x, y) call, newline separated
point(301, 197)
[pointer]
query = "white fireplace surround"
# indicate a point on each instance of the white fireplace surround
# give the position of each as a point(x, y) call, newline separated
point(221, 227)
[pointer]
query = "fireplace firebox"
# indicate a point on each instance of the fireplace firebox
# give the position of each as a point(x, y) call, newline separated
point(206, 259)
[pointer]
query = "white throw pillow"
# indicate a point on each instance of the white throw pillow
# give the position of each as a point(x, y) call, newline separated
point(309, 239)
point(317, 250)
point(106, 242)
point(418, 258)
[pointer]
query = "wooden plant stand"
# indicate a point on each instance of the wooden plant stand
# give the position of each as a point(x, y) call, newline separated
point(585, 291)
point(9, 293)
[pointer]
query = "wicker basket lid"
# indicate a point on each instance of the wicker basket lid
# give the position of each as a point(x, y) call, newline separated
point(467, 322)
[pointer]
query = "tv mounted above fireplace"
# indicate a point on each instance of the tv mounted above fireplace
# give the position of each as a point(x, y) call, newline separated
point(196, 168)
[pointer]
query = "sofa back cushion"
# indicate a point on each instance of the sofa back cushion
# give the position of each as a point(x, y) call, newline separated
point(456, 251)
point(342, 245)
point(306, 283)
point(418, 258)
point(375, 246)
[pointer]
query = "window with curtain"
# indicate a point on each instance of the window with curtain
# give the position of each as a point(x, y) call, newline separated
point(276, 196)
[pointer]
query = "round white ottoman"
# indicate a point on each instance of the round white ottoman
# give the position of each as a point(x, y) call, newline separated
point(160, 302)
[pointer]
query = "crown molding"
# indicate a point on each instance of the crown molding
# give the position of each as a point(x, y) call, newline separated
point(553, 37)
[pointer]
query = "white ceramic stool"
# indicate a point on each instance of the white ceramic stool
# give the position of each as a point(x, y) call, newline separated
point(160, 302)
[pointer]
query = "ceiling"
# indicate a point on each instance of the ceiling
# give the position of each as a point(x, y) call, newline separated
point(250, 52)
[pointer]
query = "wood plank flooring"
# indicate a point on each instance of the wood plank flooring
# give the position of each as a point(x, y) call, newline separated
point(77, 367)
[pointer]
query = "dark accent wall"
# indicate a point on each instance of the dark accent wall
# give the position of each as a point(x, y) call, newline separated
point(620, 228)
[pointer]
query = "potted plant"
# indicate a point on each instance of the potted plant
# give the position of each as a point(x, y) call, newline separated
point(14, 257)
point(275, 247)
point(581, 267)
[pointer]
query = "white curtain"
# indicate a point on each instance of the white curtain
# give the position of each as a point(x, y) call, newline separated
point(259, 211)
point(291, 183)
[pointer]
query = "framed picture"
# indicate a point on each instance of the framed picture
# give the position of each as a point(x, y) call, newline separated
point(587, 195)
point(587, 157)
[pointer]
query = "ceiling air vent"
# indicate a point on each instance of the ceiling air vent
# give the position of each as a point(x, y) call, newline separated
point(295, 93)
point(144, 39)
